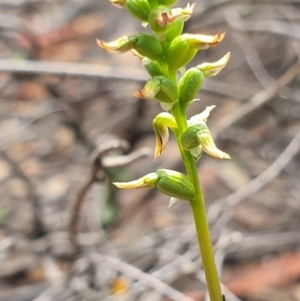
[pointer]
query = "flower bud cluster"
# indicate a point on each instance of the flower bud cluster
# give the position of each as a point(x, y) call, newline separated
point(163, 53)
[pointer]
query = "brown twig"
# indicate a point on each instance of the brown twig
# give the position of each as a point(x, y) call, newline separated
point(257, 100)
point(93, 71)
point(71, 69)
point(268, 175)
point(96, 173)
point(148, 279)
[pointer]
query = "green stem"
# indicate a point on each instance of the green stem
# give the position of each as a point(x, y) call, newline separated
point(199, 211)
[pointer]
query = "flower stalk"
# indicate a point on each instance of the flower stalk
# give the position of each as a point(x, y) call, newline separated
point(164, 54)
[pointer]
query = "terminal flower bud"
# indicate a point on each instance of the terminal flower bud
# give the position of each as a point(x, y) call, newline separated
point(118, 3)
point(199, 135)
point(161, 123)
point(160, 88)
point(212, 69)
point(184, 12)
point(189, 85)
point(140, 9)
point(169, 182)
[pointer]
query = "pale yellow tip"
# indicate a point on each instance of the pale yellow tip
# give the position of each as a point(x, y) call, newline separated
point(100, 43)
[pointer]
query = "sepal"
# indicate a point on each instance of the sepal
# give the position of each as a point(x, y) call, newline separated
point(161, 123)
point(201, 41)
point(212, 69)
point(147, 182)
point(202, 117)
point(120, 45)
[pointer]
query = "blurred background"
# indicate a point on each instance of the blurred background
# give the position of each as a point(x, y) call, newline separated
point(69, 127)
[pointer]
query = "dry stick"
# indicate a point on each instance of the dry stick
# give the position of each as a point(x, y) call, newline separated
point(24, 292)
point(251, 55)
point(248, 246)
point(100, 71)
point(73, 227)
point(74, 69)
point(269, 174)
point(32, 195)
point(148, 279)
point(257, 100)
point(93, 177)
point(100, 164)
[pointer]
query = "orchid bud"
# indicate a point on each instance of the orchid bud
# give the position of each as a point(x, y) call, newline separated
point(212, 69)
point(189, 85)
point(169, 182)
point(160, 88)
point(140, 9)
point(161, 123)
point(179, 53)
point(148, 46)
point(152, 67)
point(199, 135)
point(175, 184)
point(183, 48)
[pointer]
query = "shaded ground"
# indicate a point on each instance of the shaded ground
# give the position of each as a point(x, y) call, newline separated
point(65, 111)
